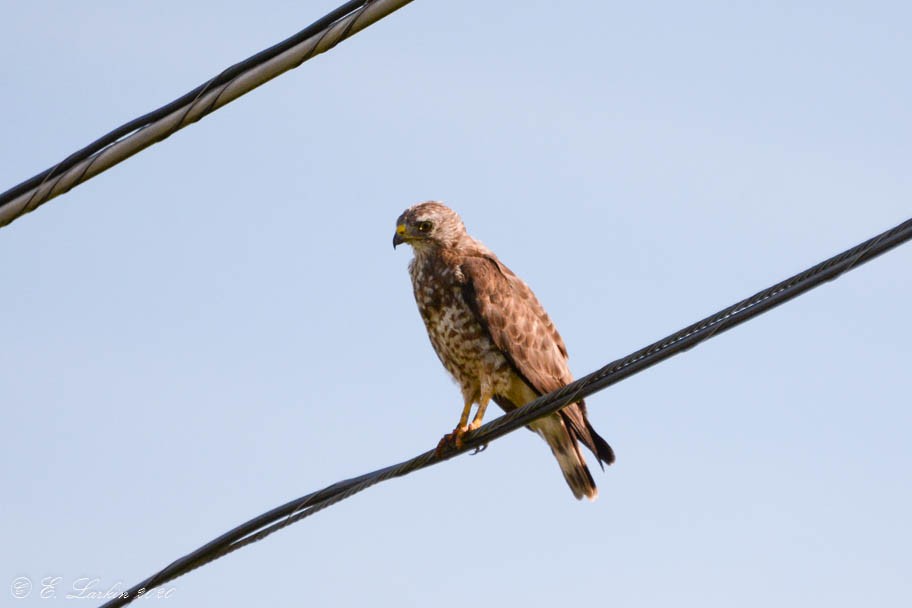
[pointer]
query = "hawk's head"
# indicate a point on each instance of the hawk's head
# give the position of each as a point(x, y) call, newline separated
point(428, 225)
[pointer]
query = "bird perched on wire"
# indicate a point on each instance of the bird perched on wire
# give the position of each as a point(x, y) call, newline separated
point(493, 336)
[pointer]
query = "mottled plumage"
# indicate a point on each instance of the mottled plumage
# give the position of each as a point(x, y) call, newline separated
point(493, 336)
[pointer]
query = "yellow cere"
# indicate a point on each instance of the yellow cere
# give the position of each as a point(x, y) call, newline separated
point(400, 229)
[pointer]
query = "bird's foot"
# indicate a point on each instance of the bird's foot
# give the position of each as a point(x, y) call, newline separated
point(451, 441)
point(476, 424)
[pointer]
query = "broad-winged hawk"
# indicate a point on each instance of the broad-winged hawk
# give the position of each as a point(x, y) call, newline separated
point(493, 336)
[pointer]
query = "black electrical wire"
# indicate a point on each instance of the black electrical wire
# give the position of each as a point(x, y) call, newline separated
point(259, 527)
point(138, 123)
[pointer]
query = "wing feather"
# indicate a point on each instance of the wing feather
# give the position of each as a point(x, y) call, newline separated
point(521, 329)
point(516, 321)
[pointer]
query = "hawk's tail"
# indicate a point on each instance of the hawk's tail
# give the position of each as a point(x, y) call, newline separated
point(566, 451)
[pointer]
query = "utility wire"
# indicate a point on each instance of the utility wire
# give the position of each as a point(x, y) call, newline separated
point(258, 528)
point(140, 133)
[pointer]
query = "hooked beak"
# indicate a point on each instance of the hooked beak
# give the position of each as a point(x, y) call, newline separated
point(399, 237)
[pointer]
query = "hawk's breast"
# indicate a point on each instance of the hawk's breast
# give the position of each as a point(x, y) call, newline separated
point(461, 342)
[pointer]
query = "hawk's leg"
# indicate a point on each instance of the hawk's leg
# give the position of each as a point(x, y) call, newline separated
point(479, 415)
point(476, 421)
point(455, 438)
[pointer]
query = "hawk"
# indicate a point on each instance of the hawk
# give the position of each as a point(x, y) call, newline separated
point(493, 336)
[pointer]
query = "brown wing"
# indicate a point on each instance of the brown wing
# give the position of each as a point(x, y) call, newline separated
point(517, 323)
point(522, 330)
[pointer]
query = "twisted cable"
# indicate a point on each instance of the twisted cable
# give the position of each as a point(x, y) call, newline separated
point(140, 133)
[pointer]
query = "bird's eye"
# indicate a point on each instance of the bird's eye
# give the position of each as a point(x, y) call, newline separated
point(424, 227)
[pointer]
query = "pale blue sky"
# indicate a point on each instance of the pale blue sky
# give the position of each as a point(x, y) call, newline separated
point(220, 324)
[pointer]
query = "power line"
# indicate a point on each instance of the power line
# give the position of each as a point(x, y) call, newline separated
point(140, 133)
point(258, 528)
